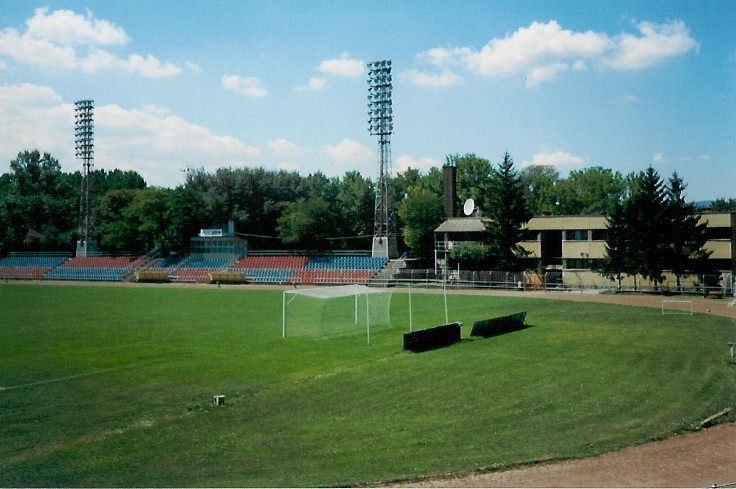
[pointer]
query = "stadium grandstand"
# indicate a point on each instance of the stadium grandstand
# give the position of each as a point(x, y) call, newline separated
point(354, 268)
point(29, 267)
point(95, 268)
point(217, 255)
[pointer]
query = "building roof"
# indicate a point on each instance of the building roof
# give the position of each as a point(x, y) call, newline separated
point(553, 223)
point(463, 225)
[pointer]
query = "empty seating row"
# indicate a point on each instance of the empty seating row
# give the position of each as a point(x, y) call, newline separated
point(191, 275)
point(333, 277)
point(110, 274)
point(197, 268)
point(345, 263)
point(23, 273)
point(28, 267)
point(268, 275)
point(276, 262)
point(205, 263)
point(32, 261)
point(313, 270)
point(102, 262)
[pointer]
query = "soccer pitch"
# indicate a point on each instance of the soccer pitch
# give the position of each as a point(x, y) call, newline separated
point(113, 386)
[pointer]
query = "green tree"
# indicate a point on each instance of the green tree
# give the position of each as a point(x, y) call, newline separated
point(39, 204)
point(724, 205)
point(472, 256)
point(117, 233)
point(355, 208)
point(421, 212)
point(507, 213)
point(589, 191)
point(185, 216)
point(473, 178)
point(647, 226)
point(307, 223)
point(617, 261)
point(541, 189)
point(686, 232)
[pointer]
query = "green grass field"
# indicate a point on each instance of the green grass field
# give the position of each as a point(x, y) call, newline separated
point(112, 386)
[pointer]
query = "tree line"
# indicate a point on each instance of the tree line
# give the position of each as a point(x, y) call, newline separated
point(39, 206)
point(653, 229)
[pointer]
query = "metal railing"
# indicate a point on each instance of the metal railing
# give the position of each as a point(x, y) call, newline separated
point(714, 285)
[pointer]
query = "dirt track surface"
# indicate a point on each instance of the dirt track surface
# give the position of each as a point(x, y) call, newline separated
point(696, 459)
point(699, 459)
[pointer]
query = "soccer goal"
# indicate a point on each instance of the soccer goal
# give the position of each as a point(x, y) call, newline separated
point(677, 307)
point(335, 311)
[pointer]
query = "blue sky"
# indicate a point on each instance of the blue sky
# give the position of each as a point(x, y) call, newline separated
point(282, 84)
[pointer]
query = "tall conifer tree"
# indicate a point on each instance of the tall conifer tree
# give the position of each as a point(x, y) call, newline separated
point(687, 233)
point(507, 212)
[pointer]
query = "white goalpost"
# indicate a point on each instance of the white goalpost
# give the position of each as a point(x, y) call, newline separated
point(335, 311)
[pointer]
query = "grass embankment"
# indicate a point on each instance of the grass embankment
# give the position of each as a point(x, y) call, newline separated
point(112, 386)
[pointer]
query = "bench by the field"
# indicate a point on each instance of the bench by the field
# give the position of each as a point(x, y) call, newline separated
point(499, 325)
point(431, 338)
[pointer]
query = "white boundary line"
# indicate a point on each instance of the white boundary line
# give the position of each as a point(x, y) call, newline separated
point(49, 381)
point(71, 377)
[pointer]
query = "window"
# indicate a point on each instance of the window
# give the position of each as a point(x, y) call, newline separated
point(576, 235)
point(599, 234)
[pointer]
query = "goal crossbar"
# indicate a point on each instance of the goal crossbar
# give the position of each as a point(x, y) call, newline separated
point(677, 307)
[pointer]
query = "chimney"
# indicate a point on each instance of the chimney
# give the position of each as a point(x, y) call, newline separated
point(449, 197)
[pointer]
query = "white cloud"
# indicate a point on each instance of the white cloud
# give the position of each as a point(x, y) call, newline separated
point(65, 40)
point(444, 79)
point(441, 56)
point(538, 44)
point(345, 65)
point(542, 51)
point(148, 67)
point(150, 140)
point(70, 29)
point(548, 72)
point(348, 151)
point(404, 162)
point(315, 84)
point(34, 117)
point(658, 158)
point(656, 43)
point(250, 86)
point(37, 52)
point(557, 159)
point(283, 147)
point(193, 67)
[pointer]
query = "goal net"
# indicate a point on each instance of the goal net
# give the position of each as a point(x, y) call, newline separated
point(677, 307)
point(335, 311)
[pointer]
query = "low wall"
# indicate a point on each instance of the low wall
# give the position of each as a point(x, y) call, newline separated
point(432, 338)
point(499, 325)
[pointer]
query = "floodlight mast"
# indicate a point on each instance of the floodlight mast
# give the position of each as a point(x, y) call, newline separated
point(380, 123)
point(84, 142)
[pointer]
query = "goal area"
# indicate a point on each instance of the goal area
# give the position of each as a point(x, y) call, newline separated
point(335, 311)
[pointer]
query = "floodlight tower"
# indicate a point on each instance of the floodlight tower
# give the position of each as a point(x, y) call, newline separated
point(84, 145)
point(381, 124)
